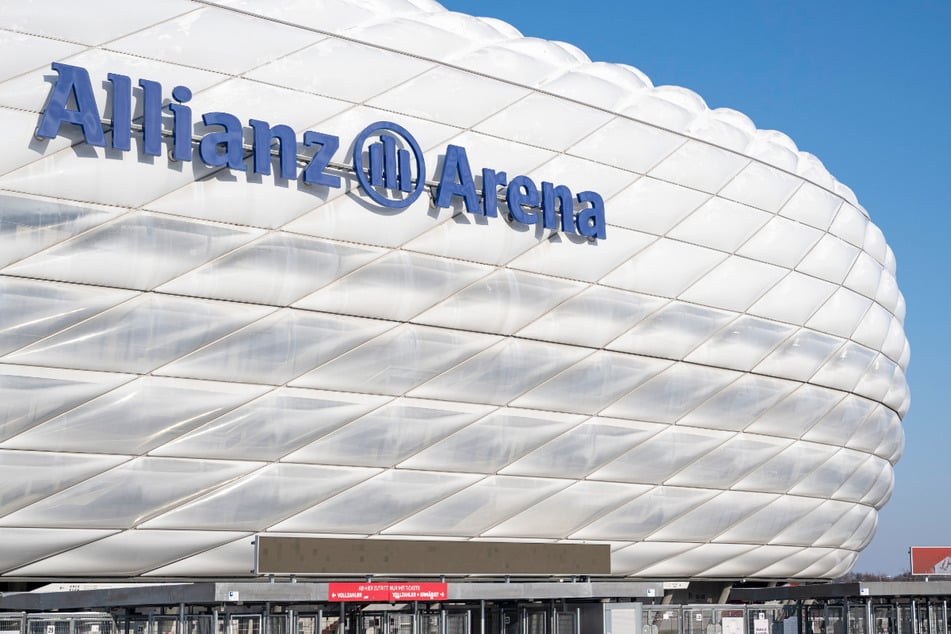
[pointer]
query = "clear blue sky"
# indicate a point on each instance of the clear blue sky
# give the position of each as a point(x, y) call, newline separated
point(862, 84)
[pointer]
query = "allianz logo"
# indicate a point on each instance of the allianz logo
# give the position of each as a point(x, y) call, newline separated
point(387, 161)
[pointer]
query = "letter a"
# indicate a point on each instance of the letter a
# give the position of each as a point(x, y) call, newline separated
point(590, 220)
point(456, 166)
point(72, 81)
point(230, 140)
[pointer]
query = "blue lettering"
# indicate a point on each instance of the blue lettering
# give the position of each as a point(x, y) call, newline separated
point(230, 141)
point(182, 124)
point(590, 221)
point(151, 117)
point(314, 172)
point(388, 166)
point(456, 180)
point(491, 181)
point(121, 111)
point(566, 204)
point(72, 81)
point(516, 197)
point(287, 152)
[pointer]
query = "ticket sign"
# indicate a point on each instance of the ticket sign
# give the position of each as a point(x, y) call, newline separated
point(927, 560)
point(386, 592)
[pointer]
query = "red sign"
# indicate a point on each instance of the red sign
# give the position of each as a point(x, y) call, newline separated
point(386, 592)
point(930, 561)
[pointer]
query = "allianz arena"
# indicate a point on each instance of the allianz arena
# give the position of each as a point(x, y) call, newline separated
point(543, 301)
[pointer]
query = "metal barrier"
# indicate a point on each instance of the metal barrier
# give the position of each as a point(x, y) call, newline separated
point(57, 623)
point(718, 619)
point(843, 617)
point(808, 617)
point(13, 623)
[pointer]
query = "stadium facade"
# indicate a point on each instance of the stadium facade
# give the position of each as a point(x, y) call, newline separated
point(350, 270)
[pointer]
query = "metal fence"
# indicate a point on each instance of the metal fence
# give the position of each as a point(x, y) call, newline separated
point(843, 617)
point(57, 623)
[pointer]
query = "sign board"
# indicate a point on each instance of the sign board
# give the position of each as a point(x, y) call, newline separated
point(732, 625)
point(387, 592)
point(927, 560)
point(760, 626)
point(332, 556)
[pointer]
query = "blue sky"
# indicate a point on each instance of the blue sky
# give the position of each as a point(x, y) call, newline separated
point(863, 85)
